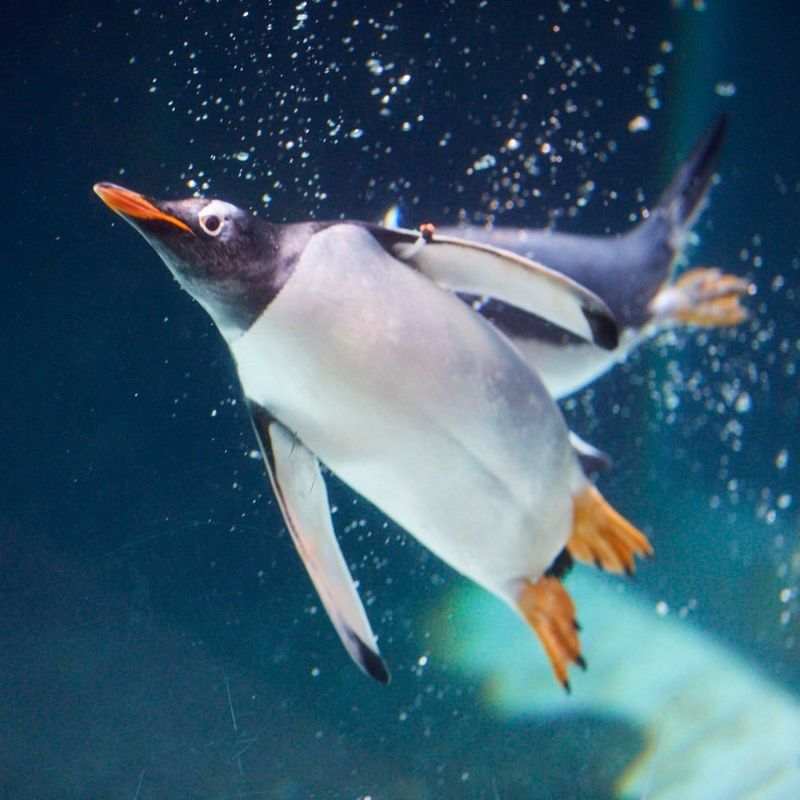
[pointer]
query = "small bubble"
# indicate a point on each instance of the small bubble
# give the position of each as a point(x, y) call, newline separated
point(639, 123)
point(743, 403)
point(725, 88)
point(484, 162)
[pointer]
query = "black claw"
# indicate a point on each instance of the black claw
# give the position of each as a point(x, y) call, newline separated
point(567, 688)
point(576, 625)
point(581, 662)
point(628, 572)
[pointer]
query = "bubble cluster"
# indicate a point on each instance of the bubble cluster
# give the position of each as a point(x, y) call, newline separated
point(333, 113)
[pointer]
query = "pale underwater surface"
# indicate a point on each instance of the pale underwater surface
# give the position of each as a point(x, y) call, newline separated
point(158, 637)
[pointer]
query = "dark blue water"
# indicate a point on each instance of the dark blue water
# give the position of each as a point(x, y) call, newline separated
point(158, 635)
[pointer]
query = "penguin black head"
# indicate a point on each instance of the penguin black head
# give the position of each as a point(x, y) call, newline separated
point(230, 261)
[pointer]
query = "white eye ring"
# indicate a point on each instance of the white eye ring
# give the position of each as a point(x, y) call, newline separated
point(211, 223)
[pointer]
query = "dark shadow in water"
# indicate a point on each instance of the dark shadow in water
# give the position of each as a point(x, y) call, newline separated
point(104, 695)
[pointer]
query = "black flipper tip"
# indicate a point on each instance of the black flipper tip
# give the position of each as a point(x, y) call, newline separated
point(605, 332)
point(371, 662)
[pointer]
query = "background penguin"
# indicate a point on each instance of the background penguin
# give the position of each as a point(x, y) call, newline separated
point(349, 351)
point(633, 273)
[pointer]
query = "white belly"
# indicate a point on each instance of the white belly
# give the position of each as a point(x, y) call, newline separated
point(418, 404)
point(564, 369)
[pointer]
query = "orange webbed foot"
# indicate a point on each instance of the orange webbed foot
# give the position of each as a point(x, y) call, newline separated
point(547, 607)
point(704, 296)
point(602, 536)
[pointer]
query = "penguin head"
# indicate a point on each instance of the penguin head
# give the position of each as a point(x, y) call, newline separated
point(226, 258)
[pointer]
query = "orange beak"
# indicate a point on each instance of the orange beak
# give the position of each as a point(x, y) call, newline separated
point(131, 204)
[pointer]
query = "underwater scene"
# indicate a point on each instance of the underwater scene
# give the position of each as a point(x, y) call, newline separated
point(400, 400)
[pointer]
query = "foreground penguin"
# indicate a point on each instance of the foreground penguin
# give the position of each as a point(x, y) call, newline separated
point(349, 350)
point(632, 273)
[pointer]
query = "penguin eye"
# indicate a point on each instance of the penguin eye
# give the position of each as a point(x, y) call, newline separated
point(211, 224)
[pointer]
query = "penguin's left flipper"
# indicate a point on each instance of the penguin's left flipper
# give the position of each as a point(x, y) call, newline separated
point(480, 269)
point(704, 296)
point(591, 458)
point(303, 499)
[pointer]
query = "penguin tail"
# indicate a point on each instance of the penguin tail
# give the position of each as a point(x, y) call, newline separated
point(602, 536)
point(682, 201)
point(547, 607)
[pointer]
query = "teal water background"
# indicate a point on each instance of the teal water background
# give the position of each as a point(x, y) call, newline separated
point(158, 637)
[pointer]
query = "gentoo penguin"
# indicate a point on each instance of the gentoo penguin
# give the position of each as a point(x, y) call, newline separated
point(633, 273)
point(353, 350)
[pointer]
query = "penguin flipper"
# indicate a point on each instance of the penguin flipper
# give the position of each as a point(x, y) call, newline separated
point(591, 458)
point(300, 490)
point(481, 269)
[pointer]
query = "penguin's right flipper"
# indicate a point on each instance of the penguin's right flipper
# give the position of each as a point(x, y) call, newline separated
point(303, 499)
